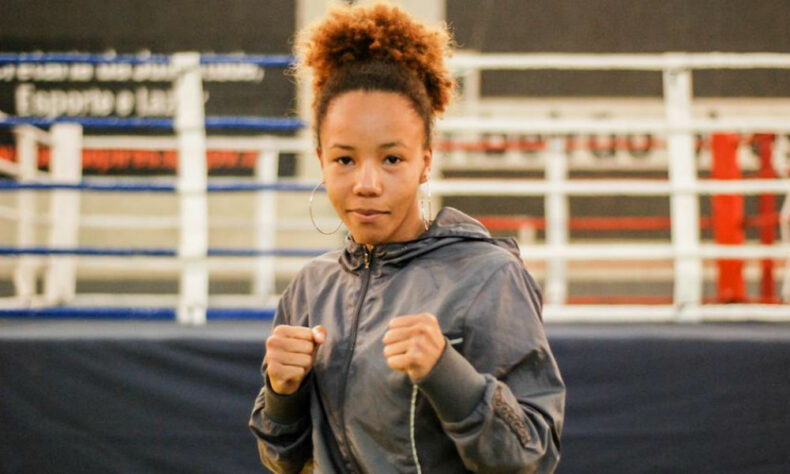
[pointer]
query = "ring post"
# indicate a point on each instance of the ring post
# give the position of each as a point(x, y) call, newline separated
point(728, 218)
point(265, 220)
point(765, 144)
point(684, 204)
point(784, 228)
point(470, 103)
point(65, 167)
point(192, 179)
point(556, 208)
point(781, 166)
point(27, 266)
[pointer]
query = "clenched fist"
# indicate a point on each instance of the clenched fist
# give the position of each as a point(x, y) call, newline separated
point(289, 355)
point(413, 344)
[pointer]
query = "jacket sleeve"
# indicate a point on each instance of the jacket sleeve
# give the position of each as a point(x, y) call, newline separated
point(281, 423)
point(502, 401)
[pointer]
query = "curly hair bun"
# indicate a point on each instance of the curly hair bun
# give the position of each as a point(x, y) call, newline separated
point(381, 32)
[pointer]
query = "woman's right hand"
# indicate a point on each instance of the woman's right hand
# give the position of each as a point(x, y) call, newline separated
point(289, 355)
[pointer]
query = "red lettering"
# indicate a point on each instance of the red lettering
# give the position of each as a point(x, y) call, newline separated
point(8, 153)
point(43, 158)
point(170, 160)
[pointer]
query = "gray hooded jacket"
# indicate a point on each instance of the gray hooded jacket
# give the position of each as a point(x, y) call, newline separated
point(493, 402)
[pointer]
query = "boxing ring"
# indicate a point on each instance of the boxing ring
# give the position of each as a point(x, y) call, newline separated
point(192, 185)
point(113, 381)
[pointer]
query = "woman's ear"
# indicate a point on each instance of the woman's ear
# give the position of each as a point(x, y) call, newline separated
point(318, 154)
point(427, 158)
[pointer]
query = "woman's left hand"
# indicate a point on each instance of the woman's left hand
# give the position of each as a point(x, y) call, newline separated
point(413, 344)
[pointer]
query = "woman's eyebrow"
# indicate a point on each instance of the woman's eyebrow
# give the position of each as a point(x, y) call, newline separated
point(383, 145)
point(342, 147)
point(391, 144)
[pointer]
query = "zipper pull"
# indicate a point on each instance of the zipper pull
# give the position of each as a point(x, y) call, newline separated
point(367, 259)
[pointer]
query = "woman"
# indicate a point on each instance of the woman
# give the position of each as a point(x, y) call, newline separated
point(418, 347)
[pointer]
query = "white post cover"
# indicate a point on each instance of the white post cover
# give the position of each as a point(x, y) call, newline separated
point(684, 204)
point(27, 265)
point(192, 179)
point(65, 167)
point(556, 209)
point(265, 221)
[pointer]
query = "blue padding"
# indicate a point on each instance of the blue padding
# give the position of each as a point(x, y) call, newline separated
point(99, 186)
point(150, 314)
point(72, 58)
point(162, 123)
point(158, 252)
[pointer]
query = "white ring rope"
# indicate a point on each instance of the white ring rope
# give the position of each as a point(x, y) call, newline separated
point(634, 126)
point(121, 221)
point(622, 251)
point(633, 62)
point(663, 313)
point(604, 187)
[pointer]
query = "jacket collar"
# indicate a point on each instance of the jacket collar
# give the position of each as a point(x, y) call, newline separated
point(450, 226)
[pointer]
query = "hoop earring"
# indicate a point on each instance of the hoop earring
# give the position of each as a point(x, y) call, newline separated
point(426, 218)
point(310, 211)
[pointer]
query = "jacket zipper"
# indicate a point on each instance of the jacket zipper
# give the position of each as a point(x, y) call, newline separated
point(412, 423)
point(355, 323)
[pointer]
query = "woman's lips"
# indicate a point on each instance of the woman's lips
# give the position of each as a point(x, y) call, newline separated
point(367, 215)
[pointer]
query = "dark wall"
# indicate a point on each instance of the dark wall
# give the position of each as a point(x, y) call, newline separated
point(615, 26)
point(252, 26)
point(131, 26)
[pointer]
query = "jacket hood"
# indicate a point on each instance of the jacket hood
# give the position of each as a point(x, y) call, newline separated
point(451, 226)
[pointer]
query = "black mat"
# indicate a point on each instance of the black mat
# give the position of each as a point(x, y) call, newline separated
point(157, 397)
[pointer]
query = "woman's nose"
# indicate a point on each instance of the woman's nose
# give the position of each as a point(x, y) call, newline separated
point(368, 179)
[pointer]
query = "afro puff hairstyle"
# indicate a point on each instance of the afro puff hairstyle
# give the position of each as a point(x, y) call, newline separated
point(377, 48)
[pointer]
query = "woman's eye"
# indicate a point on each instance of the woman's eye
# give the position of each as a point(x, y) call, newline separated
point(344, 160)
point(393, 159)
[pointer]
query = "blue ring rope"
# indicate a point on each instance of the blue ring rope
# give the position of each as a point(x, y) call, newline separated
point(162, 123)
point(156, 252)
point(226, 252)
point(87, 185)
point(78, 58)
point(151, 314)
point(83, 251)
point(11, 185)
point(255, 123)
point(244, 187)
point(270, 60)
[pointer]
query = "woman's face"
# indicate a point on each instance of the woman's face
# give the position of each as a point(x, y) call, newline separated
point(373, 159)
